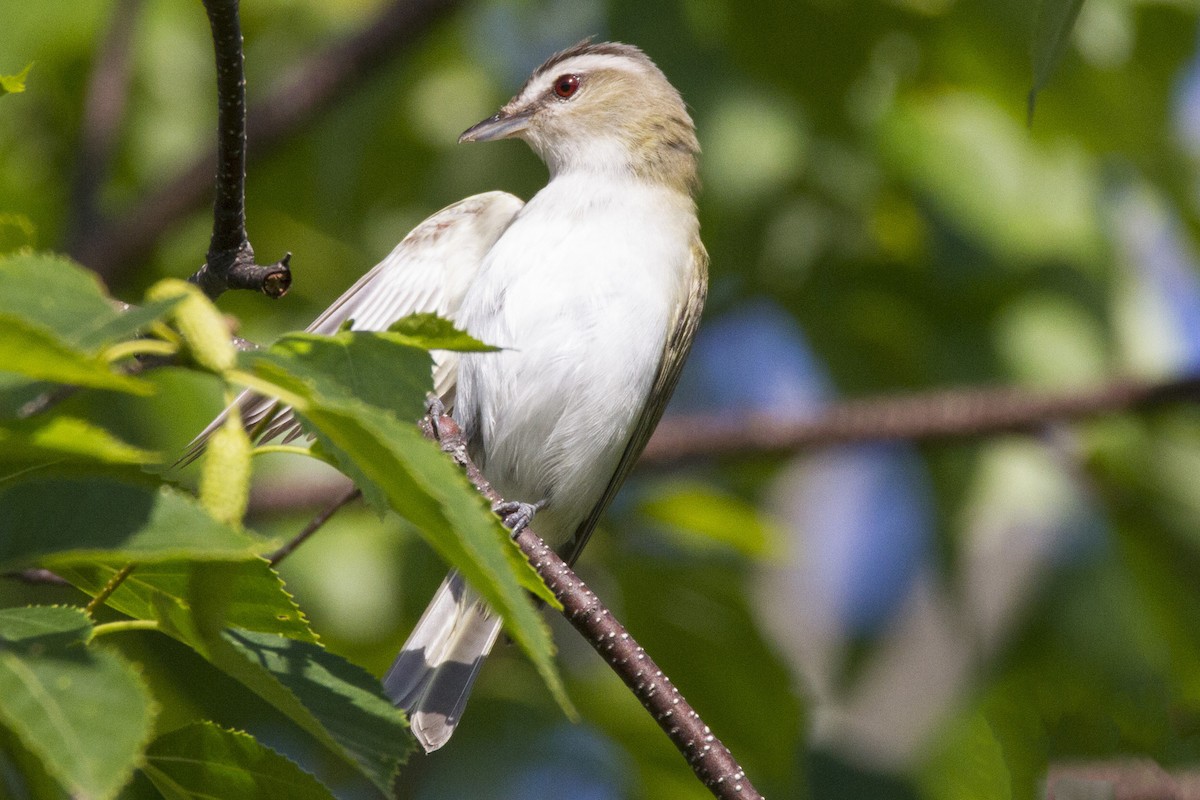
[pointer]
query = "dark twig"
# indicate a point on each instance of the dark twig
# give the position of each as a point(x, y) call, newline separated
point(306, 90)
point(230, 261)
point(712, 762)
point(959, 413)
point(313, 526)
point(103, 110)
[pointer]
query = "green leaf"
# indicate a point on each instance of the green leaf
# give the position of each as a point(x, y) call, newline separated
point(431, 332)
point(205, 761)
point(330, 382)
point(83, 711)
point(36, 352)
point(1051, 33)
point(243, 594)
point(14, 84)
point(66, 438)
point(699, 510)
point(55, 293)
point(68, 520)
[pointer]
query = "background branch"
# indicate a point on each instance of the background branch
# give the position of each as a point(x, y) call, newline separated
point(712, 762)
point(114, 248)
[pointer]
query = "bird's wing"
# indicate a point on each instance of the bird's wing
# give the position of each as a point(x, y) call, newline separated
point(675, 351)
point(429, 271)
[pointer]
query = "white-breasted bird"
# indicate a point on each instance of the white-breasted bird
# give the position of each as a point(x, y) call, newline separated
point(593, 289)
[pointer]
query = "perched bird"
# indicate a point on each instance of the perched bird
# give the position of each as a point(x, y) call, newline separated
point(593, 289)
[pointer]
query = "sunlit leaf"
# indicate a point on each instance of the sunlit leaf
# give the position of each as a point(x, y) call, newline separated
point(37, 353)
point(14, 84)
point(431, 332)
point(45, 438)
point(699, 510)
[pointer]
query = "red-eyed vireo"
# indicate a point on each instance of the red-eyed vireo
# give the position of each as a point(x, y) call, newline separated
point(593, 289)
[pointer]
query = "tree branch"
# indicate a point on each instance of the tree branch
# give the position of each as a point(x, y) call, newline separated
point(103, 108)
point(114, 248)
point(230, 261)
point(712, 762)
point(952, 414)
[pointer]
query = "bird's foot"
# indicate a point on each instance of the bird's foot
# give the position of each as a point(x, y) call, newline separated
point(516, 515)
point(436, 410)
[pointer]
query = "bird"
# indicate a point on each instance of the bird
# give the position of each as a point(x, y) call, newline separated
point(592, 291)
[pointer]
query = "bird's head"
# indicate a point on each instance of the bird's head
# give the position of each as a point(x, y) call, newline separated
point(602, 108)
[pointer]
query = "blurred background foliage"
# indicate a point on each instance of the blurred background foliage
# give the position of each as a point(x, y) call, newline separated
point(886, 621)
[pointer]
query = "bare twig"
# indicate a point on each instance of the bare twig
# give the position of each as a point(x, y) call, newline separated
point(230, 262)
point(114, 249)
point(35, 576)
point(958, 413)
point(712, 762)
point(313, 526)
point(103, 110)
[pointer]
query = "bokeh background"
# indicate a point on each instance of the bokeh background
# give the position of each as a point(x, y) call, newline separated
point(906, 620)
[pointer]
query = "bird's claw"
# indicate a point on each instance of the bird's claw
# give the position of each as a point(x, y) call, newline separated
point(516, 515)
point(435, 409)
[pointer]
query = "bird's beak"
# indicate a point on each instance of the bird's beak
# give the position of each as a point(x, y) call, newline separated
point(500, 126)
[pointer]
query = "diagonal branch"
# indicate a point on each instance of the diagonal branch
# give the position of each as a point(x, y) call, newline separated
point(230, 262)
point(712, 762)
point(114, 248)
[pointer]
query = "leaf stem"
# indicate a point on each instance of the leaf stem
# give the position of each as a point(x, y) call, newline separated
point(106, 591)
point(124, 625)
point(140, 347)
point(295, 450)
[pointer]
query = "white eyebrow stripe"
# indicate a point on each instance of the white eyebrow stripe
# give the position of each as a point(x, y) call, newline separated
point(582, 64)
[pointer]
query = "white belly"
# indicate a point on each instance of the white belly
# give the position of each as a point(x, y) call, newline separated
point(581, 299)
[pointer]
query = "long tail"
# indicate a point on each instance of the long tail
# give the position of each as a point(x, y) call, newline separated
point(431, 679)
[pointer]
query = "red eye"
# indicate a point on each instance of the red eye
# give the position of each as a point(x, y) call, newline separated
point(566, 85)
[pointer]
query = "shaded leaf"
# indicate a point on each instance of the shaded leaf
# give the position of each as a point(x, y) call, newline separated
point(63, 521)
point(203, 761)
point(83, 711)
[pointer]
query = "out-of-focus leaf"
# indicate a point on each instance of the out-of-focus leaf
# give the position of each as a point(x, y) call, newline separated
point(35, 352)
point(326, 382)
point(83, 711)
point(62, 521)
point(431, 332)
point(14, 84)
point(698, 510)
point(244, 594)
point(1055, 19)
point(60, 438)
point(206, 761)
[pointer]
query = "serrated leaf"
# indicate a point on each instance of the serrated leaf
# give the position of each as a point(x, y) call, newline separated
point(245, 594)
point(398, 468)
point(37, 353)
point(431, 332)
point(68, 520)
point(84, 712)
point(14, 84)
point(203, 760)
point(62, 438)
point(1052, 31)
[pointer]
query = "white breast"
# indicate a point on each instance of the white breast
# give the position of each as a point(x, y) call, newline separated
point(580, 291)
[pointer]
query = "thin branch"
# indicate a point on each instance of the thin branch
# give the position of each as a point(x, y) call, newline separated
point(958, 413)
point(103, 109)
point(313, 526)
point(712, 762)
point(230, 262)
point(115, 248)
point(36, 576)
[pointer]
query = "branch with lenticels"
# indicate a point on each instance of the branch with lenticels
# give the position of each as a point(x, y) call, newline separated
point(712, 762)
